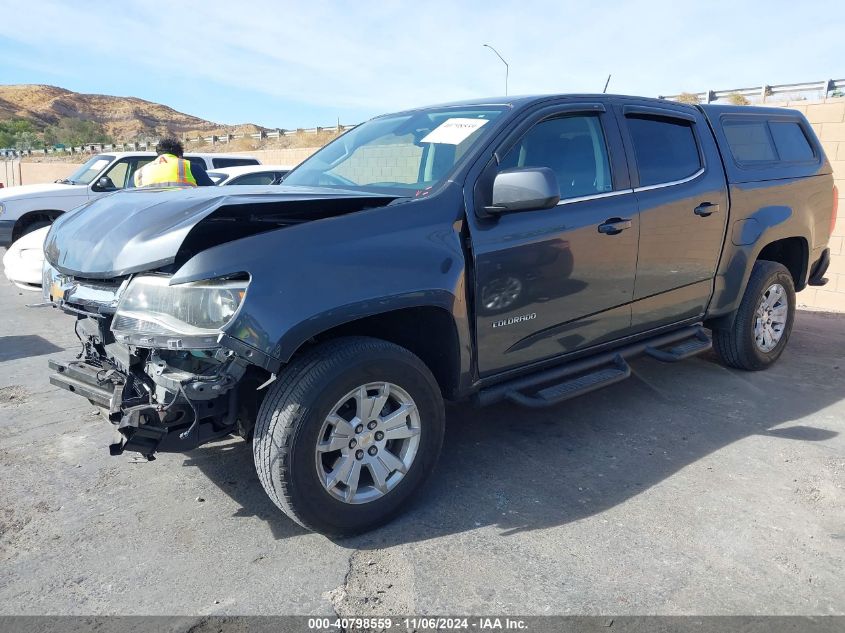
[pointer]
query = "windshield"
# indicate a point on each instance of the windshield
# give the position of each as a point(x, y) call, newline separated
point(86, 174)
point(403, 154)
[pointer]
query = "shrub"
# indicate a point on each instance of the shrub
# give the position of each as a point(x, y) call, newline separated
point(688, 97)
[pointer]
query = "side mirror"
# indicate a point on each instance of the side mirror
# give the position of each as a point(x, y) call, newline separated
point(105, 184)
point(524, 189)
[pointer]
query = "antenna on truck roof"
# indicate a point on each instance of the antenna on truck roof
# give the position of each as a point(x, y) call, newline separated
point(605, 84)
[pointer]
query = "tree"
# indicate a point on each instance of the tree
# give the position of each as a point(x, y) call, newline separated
point(75, 132)
point(738, 99)
point(19, 134)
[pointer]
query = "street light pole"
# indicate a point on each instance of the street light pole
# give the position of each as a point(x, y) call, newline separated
point(504, 62)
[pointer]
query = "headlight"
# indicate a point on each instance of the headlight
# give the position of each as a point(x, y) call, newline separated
point(150, 306)
point(2, 208)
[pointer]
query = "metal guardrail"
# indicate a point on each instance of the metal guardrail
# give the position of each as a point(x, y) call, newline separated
point(763, 92)
point(265, 134)
point(149, 145)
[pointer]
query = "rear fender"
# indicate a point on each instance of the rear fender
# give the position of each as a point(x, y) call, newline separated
point(746, 240)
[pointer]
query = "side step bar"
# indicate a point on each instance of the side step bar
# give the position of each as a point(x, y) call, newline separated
point(696, 344)
point(617, 371)
point(552, 386)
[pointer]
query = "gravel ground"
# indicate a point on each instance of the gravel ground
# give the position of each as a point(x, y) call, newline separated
point(689, 489)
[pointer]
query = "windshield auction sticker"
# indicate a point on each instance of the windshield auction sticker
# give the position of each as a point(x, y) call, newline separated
point(453, 131)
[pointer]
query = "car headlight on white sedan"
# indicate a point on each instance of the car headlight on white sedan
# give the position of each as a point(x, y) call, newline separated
point(151, 306)
point(2, 208)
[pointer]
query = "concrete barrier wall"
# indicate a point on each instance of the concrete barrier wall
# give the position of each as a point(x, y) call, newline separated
point(34, 173)
point(827, 118)
point(828, 121)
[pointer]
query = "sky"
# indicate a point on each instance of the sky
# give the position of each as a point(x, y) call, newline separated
point(306, 64)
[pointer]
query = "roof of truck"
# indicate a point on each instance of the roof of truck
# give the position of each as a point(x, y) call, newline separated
point(523, 100)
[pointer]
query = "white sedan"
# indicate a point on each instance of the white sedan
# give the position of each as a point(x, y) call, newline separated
point(249, 175)
point(24, 259)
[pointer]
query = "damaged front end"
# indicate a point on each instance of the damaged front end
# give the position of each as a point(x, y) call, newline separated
point(168, 349)
point(155, 358)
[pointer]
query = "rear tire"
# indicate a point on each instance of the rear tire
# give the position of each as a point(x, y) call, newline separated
point(303, 444)
point(763, 322)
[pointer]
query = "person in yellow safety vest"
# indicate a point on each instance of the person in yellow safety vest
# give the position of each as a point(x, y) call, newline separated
point(169, 169)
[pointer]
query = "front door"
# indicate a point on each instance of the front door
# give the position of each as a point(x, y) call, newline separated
point(554, 281)
point(120, 175)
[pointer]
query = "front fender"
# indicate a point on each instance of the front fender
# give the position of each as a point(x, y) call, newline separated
point(307, 278)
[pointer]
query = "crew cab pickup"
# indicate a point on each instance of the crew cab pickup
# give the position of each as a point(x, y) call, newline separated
point(28, 208)
point(518, 249)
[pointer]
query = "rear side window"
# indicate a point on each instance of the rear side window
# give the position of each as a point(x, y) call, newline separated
point(790, 141)
point(666, 149)
point(220, 163)
point(750, 141)
point(764, 141)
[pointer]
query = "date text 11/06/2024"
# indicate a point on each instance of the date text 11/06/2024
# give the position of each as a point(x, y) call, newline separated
point(417, 623)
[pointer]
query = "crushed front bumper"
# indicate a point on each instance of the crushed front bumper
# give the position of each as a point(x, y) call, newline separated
point(147, 427)
point(82, 379)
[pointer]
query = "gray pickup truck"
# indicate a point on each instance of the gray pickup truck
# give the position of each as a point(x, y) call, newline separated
point(518, 249)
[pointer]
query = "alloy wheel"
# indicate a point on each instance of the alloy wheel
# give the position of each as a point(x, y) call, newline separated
point(368, 442)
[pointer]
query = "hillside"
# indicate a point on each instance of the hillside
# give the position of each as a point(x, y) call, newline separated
point(120, 118)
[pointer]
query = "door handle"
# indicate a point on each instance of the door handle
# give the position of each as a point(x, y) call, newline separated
point(614, 226)
point(705, 209)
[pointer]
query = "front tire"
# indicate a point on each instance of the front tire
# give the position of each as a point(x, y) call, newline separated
point(763, 322)
point(348, 434)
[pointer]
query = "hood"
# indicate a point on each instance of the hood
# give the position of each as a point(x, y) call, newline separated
point(46, 190)
point(149, 229)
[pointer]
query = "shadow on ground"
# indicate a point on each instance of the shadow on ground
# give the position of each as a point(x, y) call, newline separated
point(24, 346)
point(523, 470)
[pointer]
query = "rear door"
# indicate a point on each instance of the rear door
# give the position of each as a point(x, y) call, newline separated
point(681, 193)
point(552, 281)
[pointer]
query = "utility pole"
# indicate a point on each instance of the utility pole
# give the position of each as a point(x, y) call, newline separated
point(504, 62)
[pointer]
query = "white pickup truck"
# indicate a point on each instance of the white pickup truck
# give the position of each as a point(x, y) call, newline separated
point(29, 207)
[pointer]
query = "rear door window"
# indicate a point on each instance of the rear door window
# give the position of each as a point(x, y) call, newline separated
point(665, 148)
